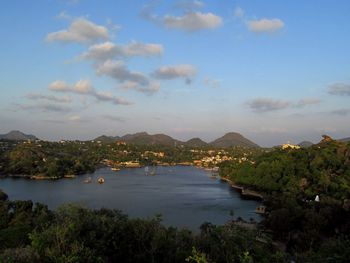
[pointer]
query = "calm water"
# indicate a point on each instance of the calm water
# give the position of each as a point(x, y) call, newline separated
point(185, 196)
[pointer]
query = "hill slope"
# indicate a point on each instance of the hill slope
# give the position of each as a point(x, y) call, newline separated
point(233, 139)
point(17, 136)
point(305, 144)
point(345, 139)
point(196, 142)
point(107, 139)
point(143, 138)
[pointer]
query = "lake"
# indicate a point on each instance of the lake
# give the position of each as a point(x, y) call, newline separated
point(185, 196)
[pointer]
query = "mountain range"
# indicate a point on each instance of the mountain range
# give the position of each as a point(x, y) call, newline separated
point(143, 138)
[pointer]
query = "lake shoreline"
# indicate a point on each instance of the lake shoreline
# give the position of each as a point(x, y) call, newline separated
point(45, 177)
point(245, 193)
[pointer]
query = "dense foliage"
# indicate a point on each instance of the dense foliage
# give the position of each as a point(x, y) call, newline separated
point(47, 159)
point(290, 180)
point(323, 169)
point(57, 159)
point(73, 234)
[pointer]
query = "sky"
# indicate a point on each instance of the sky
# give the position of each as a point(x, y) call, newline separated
point(274, 71)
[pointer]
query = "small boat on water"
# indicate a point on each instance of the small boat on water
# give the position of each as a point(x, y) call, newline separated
point(115, 169)
point(88, 180)
point(101, 180)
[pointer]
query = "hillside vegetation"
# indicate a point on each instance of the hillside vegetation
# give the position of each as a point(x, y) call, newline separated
point(323, 169)
point(291, 179)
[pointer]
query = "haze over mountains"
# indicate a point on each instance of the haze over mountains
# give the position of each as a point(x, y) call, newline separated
point(17, 136)
point(143, 138)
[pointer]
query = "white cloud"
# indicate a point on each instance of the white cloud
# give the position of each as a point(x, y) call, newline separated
point(103, 51)
point(340, 89)
point(152, 88)
point(191, 21)
point(109, 50)
point(81, 30)
point(140, 49)
point(265, 25)
point(118, 71)
point(194, 21)
point(81, 86)
point(84, 87)
point(129, 85)
point(59, 85)
point(176, 71)
point(267, 104)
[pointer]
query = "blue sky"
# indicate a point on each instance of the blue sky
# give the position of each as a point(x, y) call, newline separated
point(271, 70)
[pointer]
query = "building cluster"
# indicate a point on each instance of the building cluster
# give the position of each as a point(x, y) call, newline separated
point(210, 160)
point(290, 146)
point(151, 153)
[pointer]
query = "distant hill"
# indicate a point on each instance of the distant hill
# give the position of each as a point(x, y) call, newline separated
point(305, 144)
point(345, 139)
point(196, 142)
point(143, 138)
point(233, 139)
point(17, 136)
point(107, 139)
point(130, 137)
